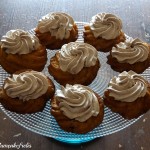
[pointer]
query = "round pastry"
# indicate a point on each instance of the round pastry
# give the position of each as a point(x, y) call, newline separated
point(26, 92)
point(104, 31)
point(56, 29)
point(77, 108)
point(133, 54)
point(21, 50)
point(128, 94)
point(75, 63)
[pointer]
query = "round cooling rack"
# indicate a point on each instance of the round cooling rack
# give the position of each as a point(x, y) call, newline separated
point(44, 123)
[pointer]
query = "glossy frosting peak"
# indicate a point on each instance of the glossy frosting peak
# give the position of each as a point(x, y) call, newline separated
point(105, 25)
point(131, 51)
point(19, 42)
point(77, 102)
point(127, 87)
point(26, 85)
point(57, 23)
point(75, 55)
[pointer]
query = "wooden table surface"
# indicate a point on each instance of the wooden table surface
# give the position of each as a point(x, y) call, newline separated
point(24, 14)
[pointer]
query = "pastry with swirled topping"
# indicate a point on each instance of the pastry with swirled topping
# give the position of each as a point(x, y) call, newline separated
point(21, 50)
point(26, 91)
point(128, 94)
point(56, 29)
point(75, 63)
point(133, 54)
point(104, 31)
point(77, 108)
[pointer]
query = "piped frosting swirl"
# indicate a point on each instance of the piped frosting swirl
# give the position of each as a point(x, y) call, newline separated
point(105, 25)
point(130, 51)
point(19, 42)
point(26, 85)
point(127, 87)
point(77, 102)
point(57, 23)
point(75, 55)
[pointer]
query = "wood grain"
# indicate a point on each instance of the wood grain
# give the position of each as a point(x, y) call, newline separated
point(24, 14)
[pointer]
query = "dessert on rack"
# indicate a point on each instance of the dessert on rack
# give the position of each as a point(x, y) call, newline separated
point(21, 50)
point(26, 91)
point(75, 63)
point(56, 29)
point(128, 94)
point(132, 54)
point(77, 108)
point(104, 31)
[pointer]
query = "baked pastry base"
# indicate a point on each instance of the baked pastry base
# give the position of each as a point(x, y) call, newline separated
point(84, 77)
point(72, 125)
point(128, 110)
point(101, 44)
point(30, 106)
point(35, 60)
point(52, 43)
point(138, 67)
